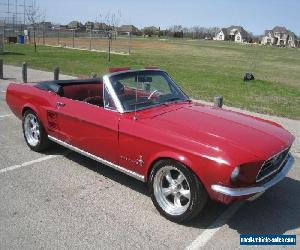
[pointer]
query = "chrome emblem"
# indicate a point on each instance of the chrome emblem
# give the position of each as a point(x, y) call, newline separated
point(139, 161)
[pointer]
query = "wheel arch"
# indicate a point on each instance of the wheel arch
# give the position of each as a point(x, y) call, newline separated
point(174, 157)
point(28, 107)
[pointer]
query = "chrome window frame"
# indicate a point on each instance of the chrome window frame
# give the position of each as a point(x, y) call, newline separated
point(111, 91)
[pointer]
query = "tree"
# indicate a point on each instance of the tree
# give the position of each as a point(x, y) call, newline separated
point(176, 31)
point(112, 19)
point(34, 17)
point(151, 31)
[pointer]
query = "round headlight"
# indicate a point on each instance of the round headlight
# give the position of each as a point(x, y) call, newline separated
point(235, 173)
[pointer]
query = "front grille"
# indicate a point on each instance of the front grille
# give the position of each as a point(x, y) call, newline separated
point(273, 165)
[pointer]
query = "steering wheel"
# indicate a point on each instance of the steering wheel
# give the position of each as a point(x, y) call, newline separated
point(152, 93)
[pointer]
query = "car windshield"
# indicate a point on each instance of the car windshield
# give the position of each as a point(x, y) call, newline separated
point(144, 89)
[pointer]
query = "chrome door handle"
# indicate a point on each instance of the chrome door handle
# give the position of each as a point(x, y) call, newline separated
point(60, 104)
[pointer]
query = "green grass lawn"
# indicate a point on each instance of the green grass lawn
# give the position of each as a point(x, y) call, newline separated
point(202, 68)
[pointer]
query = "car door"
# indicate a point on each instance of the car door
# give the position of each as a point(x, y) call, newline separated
point(89, 127)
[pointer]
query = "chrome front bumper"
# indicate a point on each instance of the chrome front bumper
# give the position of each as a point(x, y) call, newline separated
point(235, 192)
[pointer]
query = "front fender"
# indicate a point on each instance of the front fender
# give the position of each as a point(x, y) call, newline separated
point(180, 157)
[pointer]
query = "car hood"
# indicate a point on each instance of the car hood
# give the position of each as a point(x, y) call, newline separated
point(210, 125)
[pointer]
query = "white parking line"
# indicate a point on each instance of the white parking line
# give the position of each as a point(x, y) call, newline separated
point(207, 234)
point(3, 91)
point(296, 154)
point(2, 116)
point(48, 157)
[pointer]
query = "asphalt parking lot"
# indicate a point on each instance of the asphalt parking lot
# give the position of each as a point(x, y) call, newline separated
point(62, 200)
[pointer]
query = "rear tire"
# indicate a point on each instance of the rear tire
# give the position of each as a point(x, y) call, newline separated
point(34, 132)
point(175, 191)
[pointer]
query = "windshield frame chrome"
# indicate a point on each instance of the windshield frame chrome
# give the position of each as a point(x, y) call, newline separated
point(113, 94)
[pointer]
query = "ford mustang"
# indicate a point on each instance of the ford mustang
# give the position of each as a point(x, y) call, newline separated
point(141, 123)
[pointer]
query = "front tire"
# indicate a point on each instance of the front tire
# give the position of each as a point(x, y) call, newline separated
point(175, 191)
point(34, 132)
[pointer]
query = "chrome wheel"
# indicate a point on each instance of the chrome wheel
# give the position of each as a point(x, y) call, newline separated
point(172, 190)
point(32, 130)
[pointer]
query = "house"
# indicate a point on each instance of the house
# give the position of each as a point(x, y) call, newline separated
point(280, 36)
point(268, 38)
point(45, 26)
point(102, 26)
point(221, 35)
point(60, 27)
point(233, 33)
point(76, 25)
point(89, 25)
point(129, 29)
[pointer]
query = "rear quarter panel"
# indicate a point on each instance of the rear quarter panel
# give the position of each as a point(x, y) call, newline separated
point(20, 96)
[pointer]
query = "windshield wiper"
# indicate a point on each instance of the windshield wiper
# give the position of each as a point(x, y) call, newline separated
point(177, 99)
point(173, 99)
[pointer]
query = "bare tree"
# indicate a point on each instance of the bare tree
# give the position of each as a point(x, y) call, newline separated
point(195, 32)
point(176, 31)
point(111, 19)
point(213, 31)
point(34, 17)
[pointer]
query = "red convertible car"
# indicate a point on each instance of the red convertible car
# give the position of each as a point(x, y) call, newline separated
point(141, 123)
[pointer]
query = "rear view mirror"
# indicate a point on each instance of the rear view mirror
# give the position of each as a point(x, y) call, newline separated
point(143, 79)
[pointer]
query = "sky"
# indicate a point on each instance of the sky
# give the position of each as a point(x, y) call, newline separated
point(254, 15)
